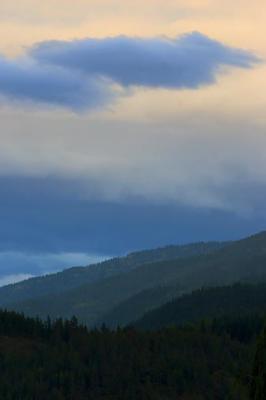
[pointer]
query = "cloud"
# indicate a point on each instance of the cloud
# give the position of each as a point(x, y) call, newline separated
point(19, 265)
point(109, 187)
point(188, 61)
point(10, 279)
point(84, 74)
point(25, 80)
point(44, 228)
point(205, 162)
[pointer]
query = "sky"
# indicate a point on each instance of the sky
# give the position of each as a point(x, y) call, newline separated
point(128, 125)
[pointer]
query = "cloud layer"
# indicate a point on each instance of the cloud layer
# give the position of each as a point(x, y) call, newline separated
point(197, 161)
point(19, 265)
point(82, 74)
point(42, 221)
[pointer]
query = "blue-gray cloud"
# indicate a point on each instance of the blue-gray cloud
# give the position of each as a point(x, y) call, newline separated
point(19, 265)
point(47, 216)
point(46, 226)
point(80, 74)
point(25, 80)
point(188, 61)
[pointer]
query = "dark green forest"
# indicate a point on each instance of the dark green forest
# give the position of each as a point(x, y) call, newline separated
point(219, 359)
point(177, 323)
point(235, 300)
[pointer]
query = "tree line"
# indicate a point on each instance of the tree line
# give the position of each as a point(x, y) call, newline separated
point(62, 360)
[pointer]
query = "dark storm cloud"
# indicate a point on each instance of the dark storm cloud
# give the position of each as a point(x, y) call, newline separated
point(80, 74)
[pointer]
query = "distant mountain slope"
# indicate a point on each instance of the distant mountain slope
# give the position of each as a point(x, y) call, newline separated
point(134, 307)
point(233, 263)
point(74, 277)
point(244, 261)
point(237, 300)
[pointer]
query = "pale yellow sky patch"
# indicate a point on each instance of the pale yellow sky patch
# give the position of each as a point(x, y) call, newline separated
point(24, 22)
point(237, 95)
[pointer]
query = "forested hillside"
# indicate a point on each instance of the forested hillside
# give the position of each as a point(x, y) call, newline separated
point(135, 306)
point(235, 300)
point(240, 299)
point(258, 381)
point(74, 277)
point(64, 361)
point(241, 261)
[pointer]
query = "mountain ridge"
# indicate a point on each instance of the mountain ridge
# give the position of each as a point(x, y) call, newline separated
point(74, 277)
point(243, 261)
